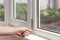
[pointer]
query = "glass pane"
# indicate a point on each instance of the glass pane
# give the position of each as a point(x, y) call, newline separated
point(50, 15)
point(1, 10)
point(21, 9)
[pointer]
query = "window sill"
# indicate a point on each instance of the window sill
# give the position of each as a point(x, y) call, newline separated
point(18, 20)
point(46, 34)
point(32, 37)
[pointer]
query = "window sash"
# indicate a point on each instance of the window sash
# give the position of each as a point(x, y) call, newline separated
point(40, 32)
point(21, 23)
point(15, 14)
point(6, 13)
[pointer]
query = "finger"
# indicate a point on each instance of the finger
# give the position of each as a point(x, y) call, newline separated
point(29, 30)
point(26, 33)
point(20, 34)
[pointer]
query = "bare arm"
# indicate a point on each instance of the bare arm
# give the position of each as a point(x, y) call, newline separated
point(5, 30)
point(8, 30)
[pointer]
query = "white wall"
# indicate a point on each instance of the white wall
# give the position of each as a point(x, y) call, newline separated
point(58, 3)
point(54, 4)
point(44, 3)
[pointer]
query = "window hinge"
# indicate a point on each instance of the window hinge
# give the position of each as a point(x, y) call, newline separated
point(31, 23)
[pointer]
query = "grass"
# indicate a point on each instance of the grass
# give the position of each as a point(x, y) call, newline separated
point(49, 15)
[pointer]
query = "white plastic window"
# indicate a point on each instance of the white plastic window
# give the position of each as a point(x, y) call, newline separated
point(20, 9)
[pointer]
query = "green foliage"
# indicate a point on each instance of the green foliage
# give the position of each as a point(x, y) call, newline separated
point(1, 12)
point(49, 15)
point(59, 9)
point(21, 11)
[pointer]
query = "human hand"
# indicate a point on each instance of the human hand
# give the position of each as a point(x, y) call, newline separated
point(24, 31)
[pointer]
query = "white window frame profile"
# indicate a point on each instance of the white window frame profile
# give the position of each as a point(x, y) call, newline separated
point(21, 23)
point(41, 32)
point(6, 13)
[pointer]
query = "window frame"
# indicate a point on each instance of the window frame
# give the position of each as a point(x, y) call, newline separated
point(41, 32)
point(21, 23)
point(14, 12)
point(3, 22)
point(6, 13)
